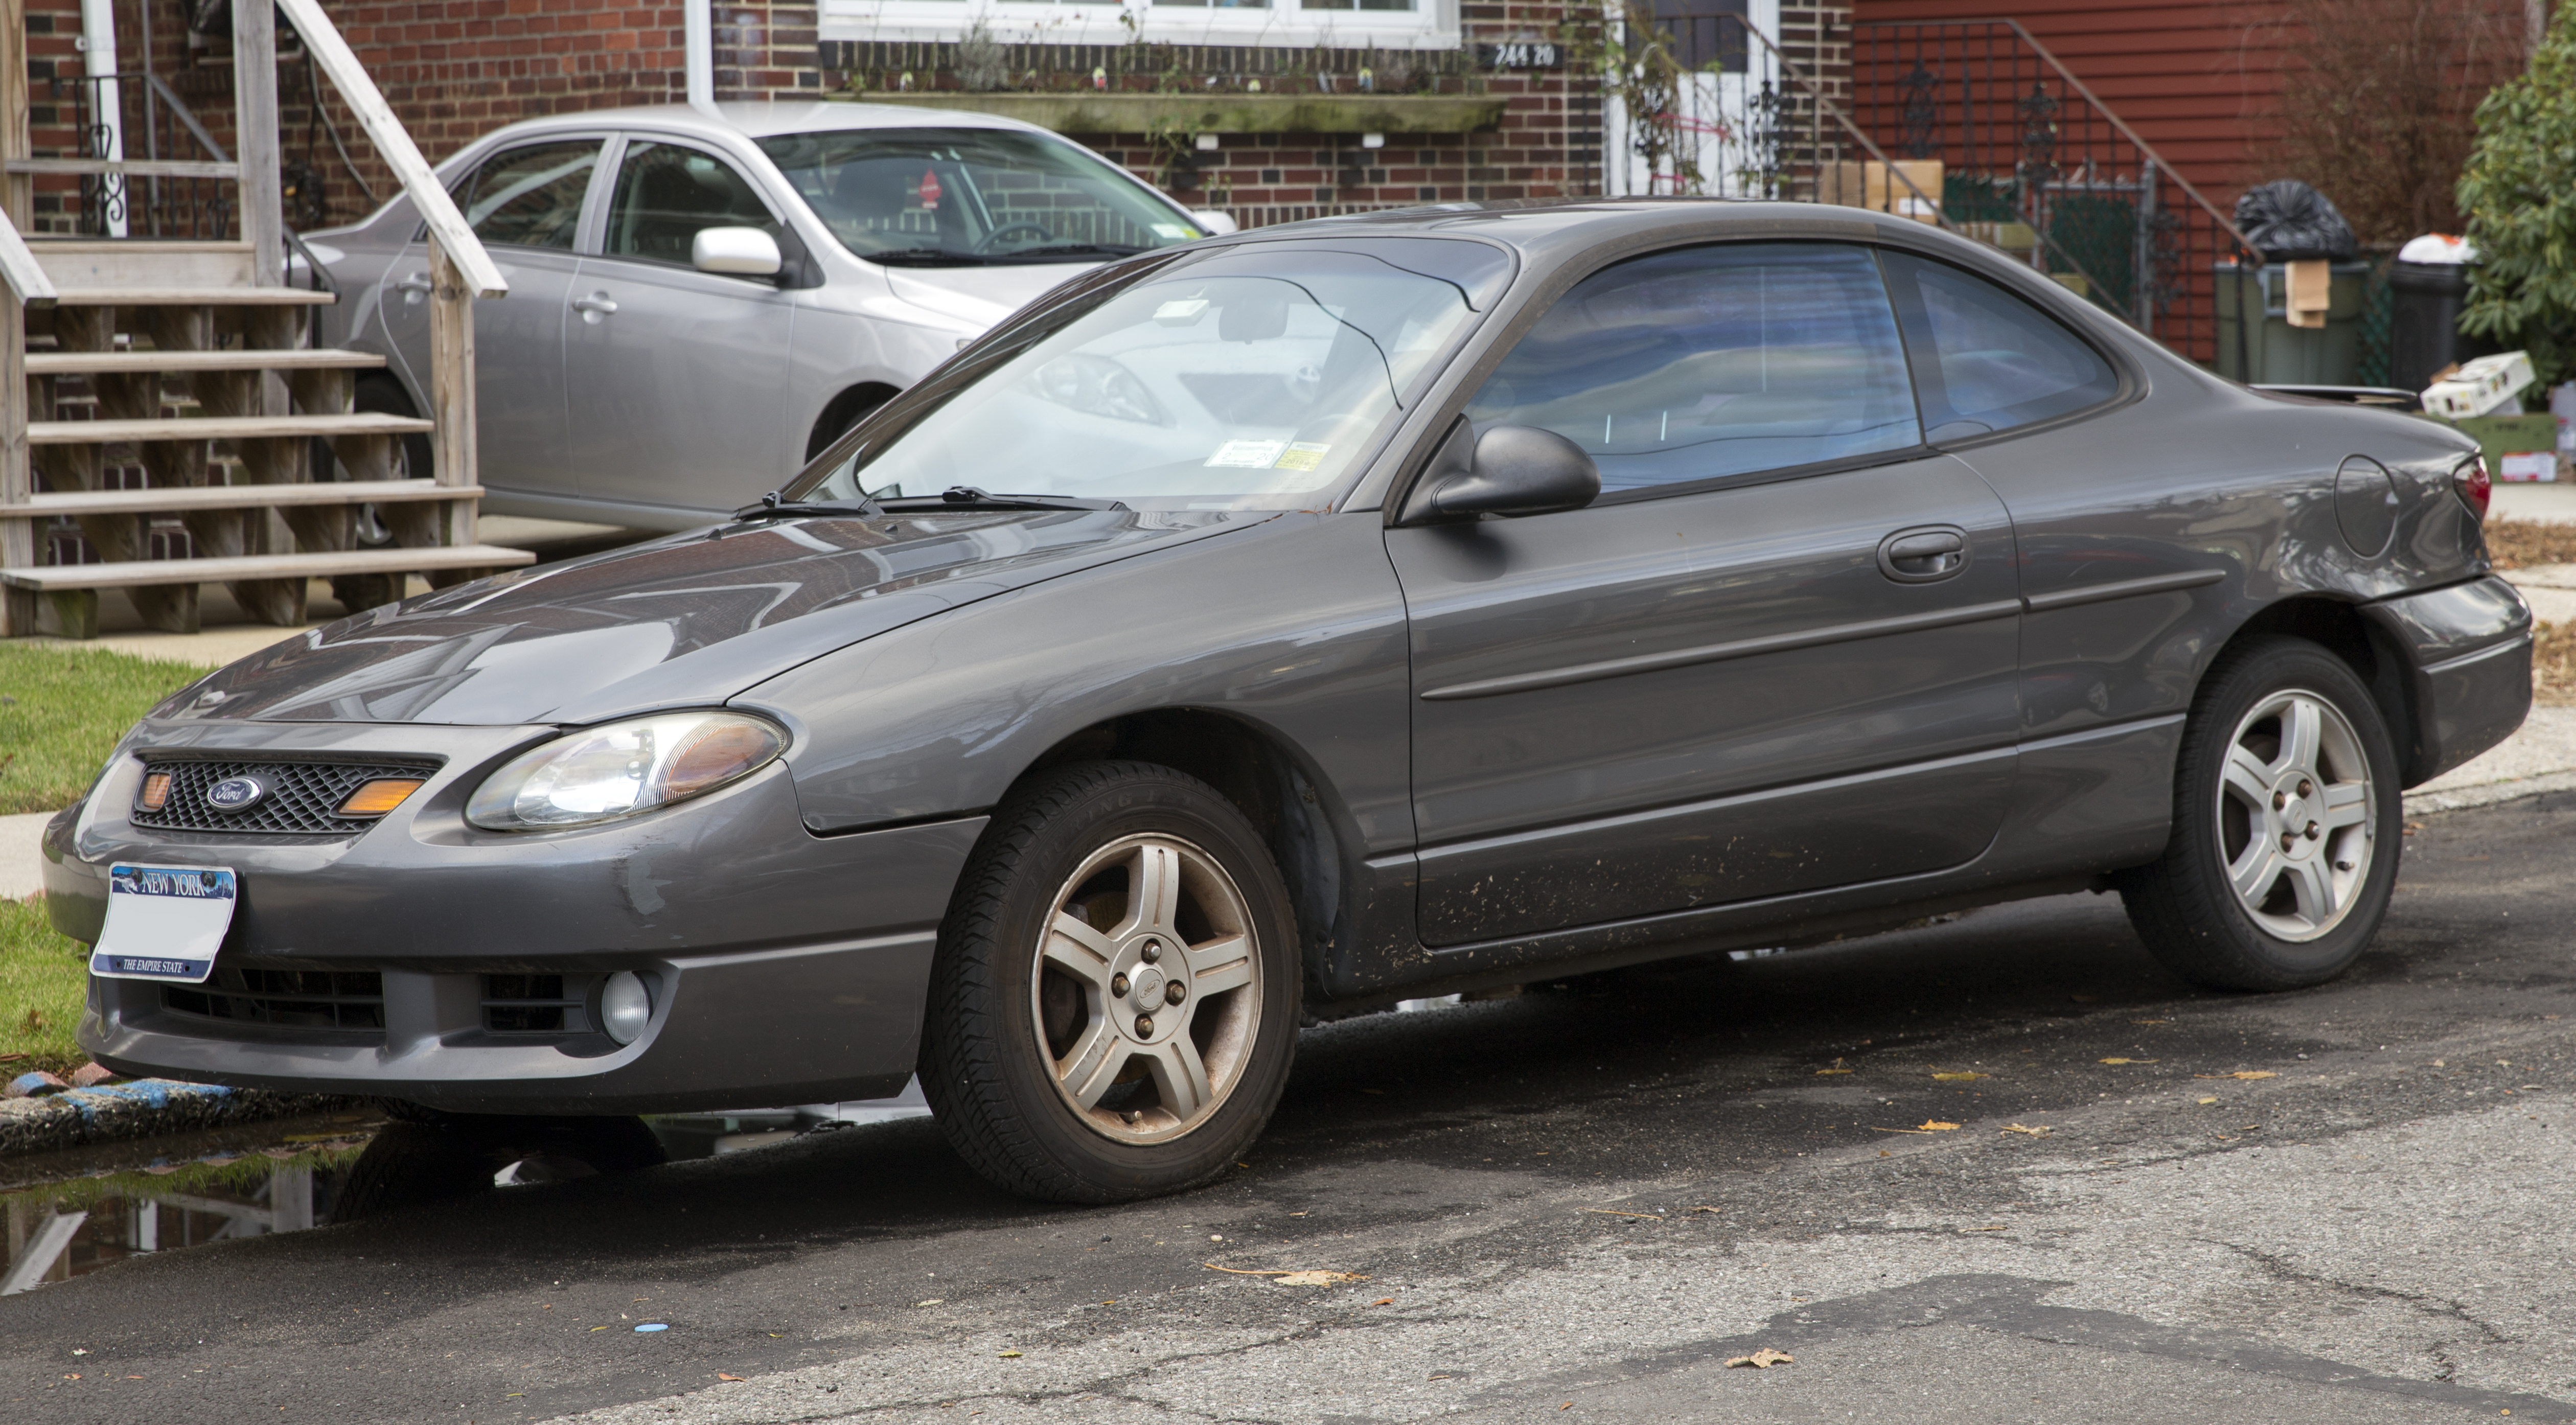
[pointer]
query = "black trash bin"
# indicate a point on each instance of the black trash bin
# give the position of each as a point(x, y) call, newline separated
point(2424, 334)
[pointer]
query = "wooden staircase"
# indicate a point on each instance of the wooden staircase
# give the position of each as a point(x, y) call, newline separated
point(194, 356)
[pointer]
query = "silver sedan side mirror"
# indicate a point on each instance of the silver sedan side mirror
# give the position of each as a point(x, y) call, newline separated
point(1508, 471)
point(736, 252)
point(1217, 223)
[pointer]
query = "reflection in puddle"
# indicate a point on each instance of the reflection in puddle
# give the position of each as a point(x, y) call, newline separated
point(61, 1230)
point(74, 1212)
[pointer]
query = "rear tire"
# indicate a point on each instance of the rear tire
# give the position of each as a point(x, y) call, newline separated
point(2286, 826)
point(1080, 1048)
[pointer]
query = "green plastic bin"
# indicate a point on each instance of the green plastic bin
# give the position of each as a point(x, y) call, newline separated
point(2276, 353)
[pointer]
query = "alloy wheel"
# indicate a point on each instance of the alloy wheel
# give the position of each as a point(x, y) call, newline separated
point(1146, 992)
point(2295, 815)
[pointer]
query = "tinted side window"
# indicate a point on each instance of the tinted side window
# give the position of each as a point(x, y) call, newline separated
point(1982, 354)
point(530, 197)
point(665, 194)
point(1714, 361)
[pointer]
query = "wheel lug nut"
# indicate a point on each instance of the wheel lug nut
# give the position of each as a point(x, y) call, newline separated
point(2280, 800)
point(1153, 951)
point(1144, 1026)
point(2304, 787)
point(1118, 984)
point(1173, 992)
point(2288, 840)
point(2312, 831)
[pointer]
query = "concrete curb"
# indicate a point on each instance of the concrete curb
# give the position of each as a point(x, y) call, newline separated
point(2462, 798)
point(145, 1108)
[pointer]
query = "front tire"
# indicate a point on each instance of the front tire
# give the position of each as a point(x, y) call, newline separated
point(1114, 1004)
point(2287, 823)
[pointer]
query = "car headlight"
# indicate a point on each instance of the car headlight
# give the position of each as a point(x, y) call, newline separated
point(603, 773)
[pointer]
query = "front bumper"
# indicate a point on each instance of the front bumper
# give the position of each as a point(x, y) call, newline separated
point(2465, 653)
point(785, 967)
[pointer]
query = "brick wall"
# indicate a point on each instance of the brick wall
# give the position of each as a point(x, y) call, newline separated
point(457, 69)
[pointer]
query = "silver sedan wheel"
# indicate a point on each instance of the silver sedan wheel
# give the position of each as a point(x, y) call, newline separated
point(1146, 993)
point(2295, 815)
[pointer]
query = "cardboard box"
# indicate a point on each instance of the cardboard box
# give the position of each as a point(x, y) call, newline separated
point(1868, 185)
point(2521, 467)
point(2483, 387)
point(2500, 437)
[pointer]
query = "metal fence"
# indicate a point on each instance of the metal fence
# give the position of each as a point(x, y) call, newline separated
point(138, 118)
point(2032, 162)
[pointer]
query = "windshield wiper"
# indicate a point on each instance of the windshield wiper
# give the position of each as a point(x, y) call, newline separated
point(1068, 249)
point(967, 497)
point(925, 257)
point(772, 507)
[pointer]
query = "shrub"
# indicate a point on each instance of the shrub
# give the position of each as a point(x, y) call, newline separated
point(2519, 191)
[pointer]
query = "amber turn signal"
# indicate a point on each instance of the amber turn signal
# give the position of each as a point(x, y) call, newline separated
point(156, 792)
point(379, 796)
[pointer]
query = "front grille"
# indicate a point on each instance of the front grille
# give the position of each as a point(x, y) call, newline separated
point(303, 797)
point(536, 1004)
point(292, 999)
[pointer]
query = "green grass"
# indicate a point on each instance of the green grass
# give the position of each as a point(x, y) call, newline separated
point(44, 979)
point(61, 711)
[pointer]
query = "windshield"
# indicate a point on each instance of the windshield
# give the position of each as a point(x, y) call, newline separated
point(1249, 379)
point(963, 197)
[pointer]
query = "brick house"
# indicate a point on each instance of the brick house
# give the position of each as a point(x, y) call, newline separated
point(1274, 114)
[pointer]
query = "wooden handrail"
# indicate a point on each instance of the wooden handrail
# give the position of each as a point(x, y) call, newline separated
point(455, 237)
point(28, 284)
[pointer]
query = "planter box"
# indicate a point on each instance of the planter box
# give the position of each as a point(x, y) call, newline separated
point(1097, 112)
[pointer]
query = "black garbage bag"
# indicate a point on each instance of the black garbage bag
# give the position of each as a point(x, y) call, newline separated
point(2288, 221)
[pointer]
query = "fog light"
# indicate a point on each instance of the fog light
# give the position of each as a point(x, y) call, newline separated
point(624, 1006)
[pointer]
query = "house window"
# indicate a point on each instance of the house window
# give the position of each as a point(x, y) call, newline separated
point(1299, 24)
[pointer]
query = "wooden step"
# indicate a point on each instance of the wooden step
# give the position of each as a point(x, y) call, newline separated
point(147, 359)
point(137, 262)
point(138, 572)
point(183, 498)
point(191, 297)
point(221, 428)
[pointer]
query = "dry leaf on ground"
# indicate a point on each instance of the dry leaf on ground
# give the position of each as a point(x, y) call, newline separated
point(1763, 1359)
point(720, 1375)
point(1820, 1073)
point(1308, 1277)
point(2128, 1061)
point(1961, 1077)
point(2041, 1131)
point(1934, 1125)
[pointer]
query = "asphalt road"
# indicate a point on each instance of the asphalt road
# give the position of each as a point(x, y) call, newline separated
point(2380, 1231)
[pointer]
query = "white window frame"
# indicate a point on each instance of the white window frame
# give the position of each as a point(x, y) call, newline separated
point(1285, 24)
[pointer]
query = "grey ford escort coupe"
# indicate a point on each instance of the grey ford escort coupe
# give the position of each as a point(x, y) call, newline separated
point(1282, 625)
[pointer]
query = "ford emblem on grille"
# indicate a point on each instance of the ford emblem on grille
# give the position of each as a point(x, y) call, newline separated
point(236, 793)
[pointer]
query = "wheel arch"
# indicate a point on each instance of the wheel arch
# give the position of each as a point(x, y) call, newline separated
point(2339, 627)
point(843, 410)
point(1282, 792)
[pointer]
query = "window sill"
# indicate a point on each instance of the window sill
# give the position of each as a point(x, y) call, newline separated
point(1104, 113)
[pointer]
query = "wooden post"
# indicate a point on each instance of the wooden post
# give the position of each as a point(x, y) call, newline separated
point(255, 134)
point(451, 389)
point(16, 191)
point(17, 536)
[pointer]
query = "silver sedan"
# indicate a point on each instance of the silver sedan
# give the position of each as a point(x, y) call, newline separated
point(701, 301)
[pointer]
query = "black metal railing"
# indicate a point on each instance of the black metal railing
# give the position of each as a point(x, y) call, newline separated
point(153, 125)
point(2034, 163)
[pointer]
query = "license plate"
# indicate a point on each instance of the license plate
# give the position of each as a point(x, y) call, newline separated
point(164, 922)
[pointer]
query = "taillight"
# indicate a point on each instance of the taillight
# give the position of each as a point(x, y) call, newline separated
point(2474, 486)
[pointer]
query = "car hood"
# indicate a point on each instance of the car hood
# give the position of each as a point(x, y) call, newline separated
point(686, 621)
point(981, 296)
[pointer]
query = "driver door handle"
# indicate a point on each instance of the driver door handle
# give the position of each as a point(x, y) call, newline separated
point(1920, 556)
point(594, 306)
point(414, 287)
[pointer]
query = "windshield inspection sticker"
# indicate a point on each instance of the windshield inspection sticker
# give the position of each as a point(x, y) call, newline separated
point(1301, 455)
point(164, 922)
point(1181, 311)
point(1245, 455)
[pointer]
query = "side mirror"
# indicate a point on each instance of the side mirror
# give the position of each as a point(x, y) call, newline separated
point(1217, 224)
point(735, 252)
point(1509, 470)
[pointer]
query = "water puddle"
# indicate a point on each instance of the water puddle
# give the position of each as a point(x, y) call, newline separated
point(73, 1212)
